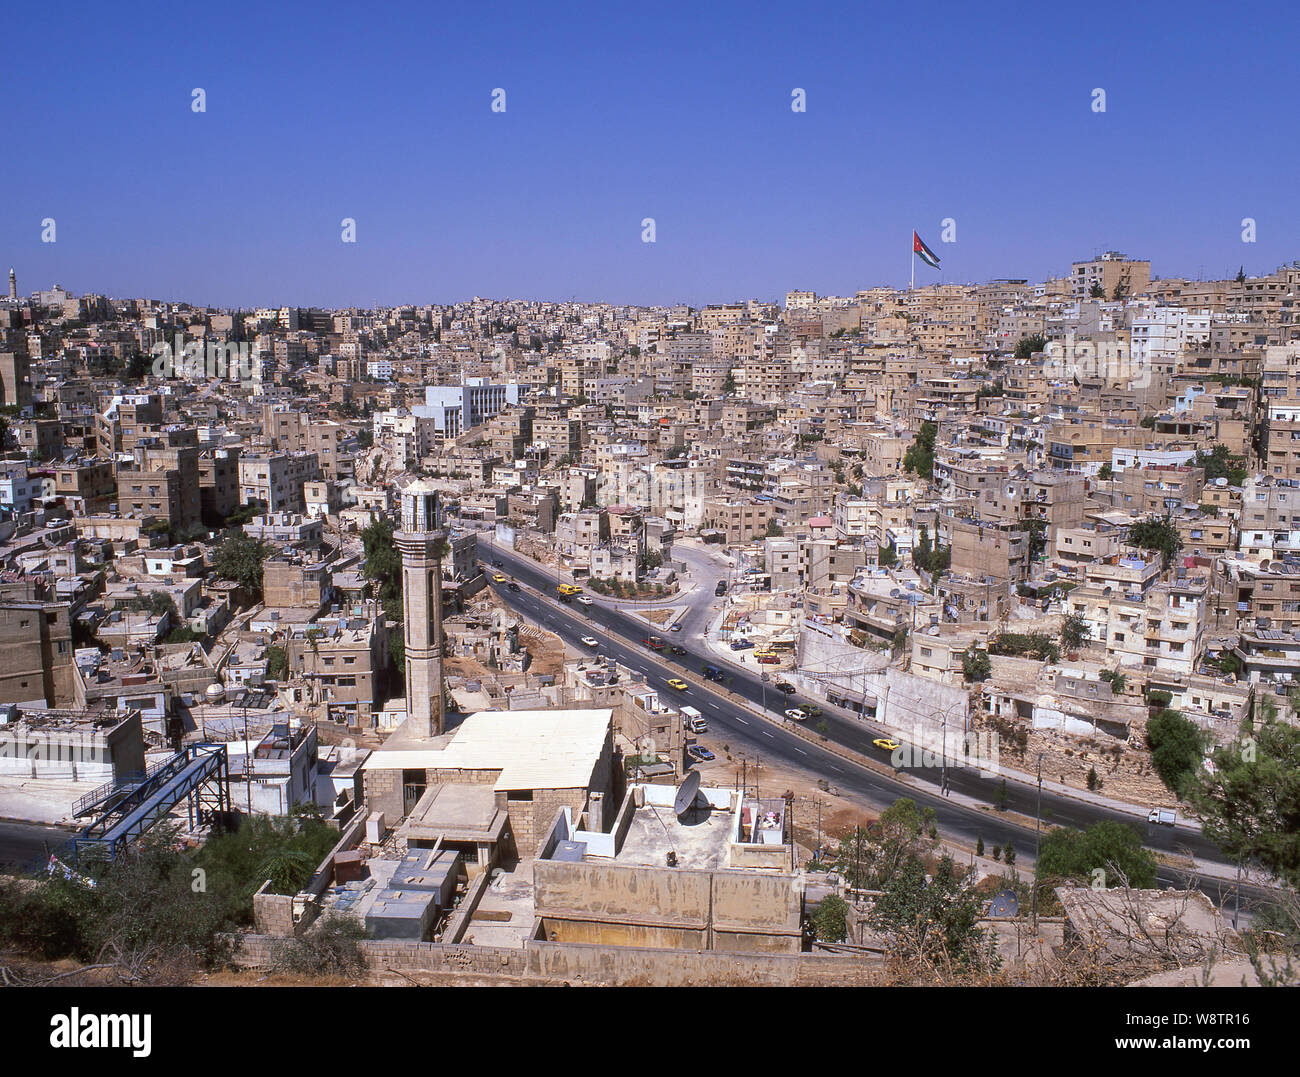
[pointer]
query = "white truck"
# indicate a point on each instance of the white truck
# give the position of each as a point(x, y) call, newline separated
point(1163, 816)
point(693, 720)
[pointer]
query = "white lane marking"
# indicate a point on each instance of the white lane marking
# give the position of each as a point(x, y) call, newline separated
point(741, 720)
point(801, 751)
point(765, 732)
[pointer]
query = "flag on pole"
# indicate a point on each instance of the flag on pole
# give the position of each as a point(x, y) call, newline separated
point(927, 256)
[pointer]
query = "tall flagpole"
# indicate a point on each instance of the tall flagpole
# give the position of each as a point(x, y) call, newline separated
point(912, 286)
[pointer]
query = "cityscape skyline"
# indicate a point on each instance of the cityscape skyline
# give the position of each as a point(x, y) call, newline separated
point(606, 125)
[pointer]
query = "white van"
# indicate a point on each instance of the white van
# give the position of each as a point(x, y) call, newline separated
point(693, 720)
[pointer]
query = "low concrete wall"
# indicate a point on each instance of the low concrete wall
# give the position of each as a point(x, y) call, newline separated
point(547, 962)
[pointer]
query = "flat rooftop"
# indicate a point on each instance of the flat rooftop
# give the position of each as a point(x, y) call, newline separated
point(700, 836)
point(532, 749)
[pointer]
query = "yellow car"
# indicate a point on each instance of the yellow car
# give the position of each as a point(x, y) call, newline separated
point(679, 684)
point(569, 589)
point(885, 745)
point(498, 577)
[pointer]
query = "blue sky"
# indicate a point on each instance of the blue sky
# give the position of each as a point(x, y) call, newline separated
point(915, 113)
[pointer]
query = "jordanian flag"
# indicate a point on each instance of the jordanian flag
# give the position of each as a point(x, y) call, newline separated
point(927, 256)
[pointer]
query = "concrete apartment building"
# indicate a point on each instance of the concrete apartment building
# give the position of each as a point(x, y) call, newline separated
point(1141, 621)
point(276, 479)
point(739, 521)
point(1110, 270)
point(123, 419)
point(101, 746)
point(343, 663)
point(162, 481)
point(36, 661)
point(218, 482)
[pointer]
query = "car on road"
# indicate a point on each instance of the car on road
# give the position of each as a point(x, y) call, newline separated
point(496, 562)
point(677, 649)
point(583, 600)
point(713, 673)
point(590, 641)
point(701, 753)
point(795, 714)
point(498, 577)
point(676, 627)
point(885, 744)
point(568, 590)
point(721, 589)
point(512, 587)
point(809, 710)
point(679, 684)
point(784, 686)
point(1163, 816)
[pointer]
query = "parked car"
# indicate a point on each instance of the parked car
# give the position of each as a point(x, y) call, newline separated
point(784, 686)
point(721, 589)
point(676, 626)
point(701, 753)
point(809, 710)
point(677, 649)
point(740, 644)
point(512, 587)
point(583, 600)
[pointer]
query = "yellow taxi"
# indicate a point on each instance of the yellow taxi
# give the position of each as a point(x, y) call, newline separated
point(498, 577)
point(679, 684)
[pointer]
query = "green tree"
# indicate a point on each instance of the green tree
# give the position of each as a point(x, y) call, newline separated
point(1220, 464)
point(383, 566)
point(1113, 848)
point(976, 666)
point(1177, 750)
point(1096, 291)
point(1105, 472)
point(1249, 802)
point(888, 556)
point(774, 529)
point(831, 919)
point(1159, 534)
point(239, 559)
point(1030, 346)
point(935, 919)
point(919, 458)
point(1074, 632)
point(277, 663)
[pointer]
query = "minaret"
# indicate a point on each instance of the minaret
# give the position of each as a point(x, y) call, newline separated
point(13, 283)
point(421, 543)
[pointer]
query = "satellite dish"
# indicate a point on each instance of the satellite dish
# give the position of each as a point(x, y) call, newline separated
point(1004, 906)
point(686, 793)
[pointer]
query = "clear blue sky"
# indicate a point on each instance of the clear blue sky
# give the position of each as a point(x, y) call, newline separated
point(381, 112)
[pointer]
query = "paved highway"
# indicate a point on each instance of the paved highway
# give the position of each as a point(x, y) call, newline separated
point(620, 633)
